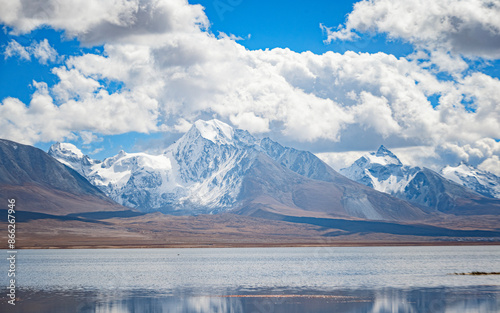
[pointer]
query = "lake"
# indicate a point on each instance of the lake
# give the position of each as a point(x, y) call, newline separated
point(324, 279)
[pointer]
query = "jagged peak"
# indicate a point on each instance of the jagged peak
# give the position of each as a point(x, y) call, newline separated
point(120, 155)
point(384, 156)
point(466, 165)
point(66, 149)
point(266, 141)
point(243, 136)
point(460, 167)
point(215, 131)
point(272, 148)
point(382, 151)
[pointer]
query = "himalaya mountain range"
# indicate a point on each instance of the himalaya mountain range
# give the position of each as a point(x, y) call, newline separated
point(214, 168)
point(219, 185)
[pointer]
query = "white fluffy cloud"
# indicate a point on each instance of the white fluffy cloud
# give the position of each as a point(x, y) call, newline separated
point(89, 137)
point(491, 165)
point(101, 21)
point(42, 51)
point(171, 71)
point(467, 27)
point(251, 122)
point(43, 120)
point(14, 49)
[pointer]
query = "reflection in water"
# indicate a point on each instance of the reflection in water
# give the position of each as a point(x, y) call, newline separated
point(433, 300)
point(170, 304)
point(395, 301)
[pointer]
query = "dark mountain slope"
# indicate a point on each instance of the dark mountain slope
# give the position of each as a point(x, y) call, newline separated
point(272, 187)
point(40, 183)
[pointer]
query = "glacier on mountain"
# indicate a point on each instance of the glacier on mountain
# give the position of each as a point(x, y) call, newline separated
point(70, 155)
point(201, 173)
point(383, 171)
point(485, 183)
point(214, 168)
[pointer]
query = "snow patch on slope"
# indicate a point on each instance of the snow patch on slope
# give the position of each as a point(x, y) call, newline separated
point(393, 184)
point(117, 170)
point(381, 170)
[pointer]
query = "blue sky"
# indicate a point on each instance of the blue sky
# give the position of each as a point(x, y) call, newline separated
point(293, 25)
point(134, 75)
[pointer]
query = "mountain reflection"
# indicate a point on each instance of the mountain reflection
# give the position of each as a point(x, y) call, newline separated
point(171, 305)
point(435, 300)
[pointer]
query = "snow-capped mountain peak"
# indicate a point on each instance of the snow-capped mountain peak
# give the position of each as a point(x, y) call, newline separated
point(214, 168)
point(383, 156)
point(211, 133)
point(381, 170)
point(421, 186)
point(453, 172)
point(66, 149)
point(382, 151)
point(200, 173)
point(485, 183)
point(216, 131)
point(71, 156)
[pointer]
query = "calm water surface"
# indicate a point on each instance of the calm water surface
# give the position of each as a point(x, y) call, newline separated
point(358, 279)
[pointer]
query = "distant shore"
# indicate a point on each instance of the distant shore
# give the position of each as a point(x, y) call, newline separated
point(259, 245)
point(234, 231)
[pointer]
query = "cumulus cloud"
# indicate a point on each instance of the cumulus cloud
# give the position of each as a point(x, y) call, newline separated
point(42, 51)
point(339, 160)
point(306, 96)
point(251, 122)
point(42, 120)
point(101, 21)
point(376, 114)
point(172, 71)
point(182, 125)
point(88, 137)
point(467, 27)
point(14, 49)
point(491, 165)
point(95, 151)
